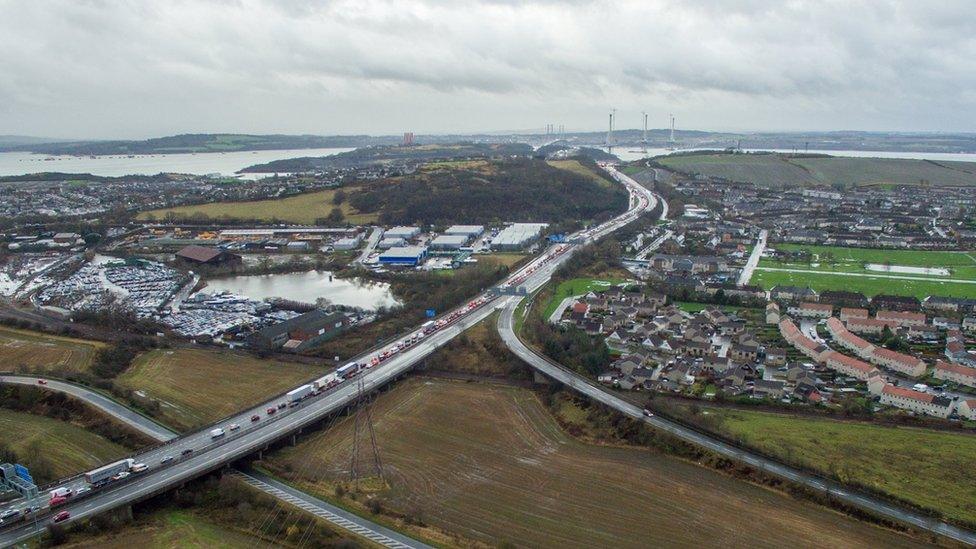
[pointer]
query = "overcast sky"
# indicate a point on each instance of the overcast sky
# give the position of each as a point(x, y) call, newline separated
point(115, 69)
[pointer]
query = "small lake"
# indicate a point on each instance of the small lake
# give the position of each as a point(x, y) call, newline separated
point(307, 287)
point(20, 163)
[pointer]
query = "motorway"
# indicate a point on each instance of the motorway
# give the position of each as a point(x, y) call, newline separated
point(194, 454)
point(322, 509)
point(754, 258)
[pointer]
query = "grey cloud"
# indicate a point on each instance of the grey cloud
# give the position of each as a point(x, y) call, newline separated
point(100, 69)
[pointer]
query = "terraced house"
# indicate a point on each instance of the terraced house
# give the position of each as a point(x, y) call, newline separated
point(958, 373)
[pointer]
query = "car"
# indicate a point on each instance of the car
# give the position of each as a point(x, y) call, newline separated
point(165, 460)
point(57, 500)
point(82, 490)
point(648, 413)
point(186, 452)
point(281, 405)
point(255, 417)
point(272, 410)
point(42, 382)
point(234, 427)
point(139, 467)
point(62, 516)
point(9, 514)
point(121, 475)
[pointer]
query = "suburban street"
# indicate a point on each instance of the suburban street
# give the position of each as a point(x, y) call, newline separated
point(754, 258)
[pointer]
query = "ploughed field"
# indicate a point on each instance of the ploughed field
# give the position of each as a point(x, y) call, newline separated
point(64, 448)
point(196, 387)
point(931, 469)
point(904, 272)
point(41, 353)
point(489, 463)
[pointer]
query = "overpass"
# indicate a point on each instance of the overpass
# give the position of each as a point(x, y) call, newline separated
point(194, 454)
point(278, 490)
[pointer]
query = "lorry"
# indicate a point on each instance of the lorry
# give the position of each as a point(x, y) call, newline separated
point(347, 370)
point(63, 492)
point(428, 327)
point(104, 473)
point(296, 395)
point(216, 433)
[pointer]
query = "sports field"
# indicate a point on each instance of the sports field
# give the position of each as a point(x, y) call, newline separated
point(930, 468)
point(63, 448)
point(894, 272)
point(302, 208)
point(782, 170)
point(43, 353)
point(490, 464)
point(199, 386)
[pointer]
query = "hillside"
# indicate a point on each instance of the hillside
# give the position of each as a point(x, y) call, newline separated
point(509, 190)
point(195, 143)
point(391, 153)
point(784, 170)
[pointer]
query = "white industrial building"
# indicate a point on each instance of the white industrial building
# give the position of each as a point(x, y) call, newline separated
point(470, 231)
point(405, 233)
point(449, 242)
point(389, 242)
point(517, 236)
point(347, 243)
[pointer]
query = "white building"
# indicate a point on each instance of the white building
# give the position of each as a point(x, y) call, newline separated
point(470, 231)
point(517, 236)
point(405, 233)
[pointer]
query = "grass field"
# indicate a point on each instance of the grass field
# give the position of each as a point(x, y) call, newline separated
point(199, 386)
point(506, 259)
point(44, 353)
point(933, 469)
point(489, 463)
point(68, 449)
point(303, 208)
point(834, 259)
point(576, 286)
point(869, 286)
point(577, 168)
point(775, 170)
point(170, 529)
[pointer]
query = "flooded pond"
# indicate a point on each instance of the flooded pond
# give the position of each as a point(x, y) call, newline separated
point(307, 287)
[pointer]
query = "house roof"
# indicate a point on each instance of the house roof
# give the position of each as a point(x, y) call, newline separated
point(955, 368)
point(199, 253)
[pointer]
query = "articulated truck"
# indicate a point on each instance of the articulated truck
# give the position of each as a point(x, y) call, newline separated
point(104, 473)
